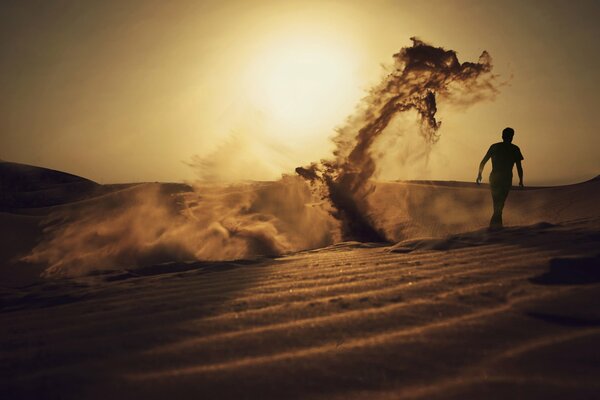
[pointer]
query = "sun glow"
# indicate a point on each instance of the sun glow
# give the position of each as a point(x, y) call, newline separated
point(304, 84)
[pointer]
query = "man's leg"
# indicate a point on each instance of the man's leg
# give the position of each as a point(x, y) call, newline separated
point(496, 221)
point(499, 195)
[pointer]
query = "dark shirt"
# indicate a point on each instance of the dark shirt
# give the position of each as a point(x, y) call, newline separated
point(504, 156)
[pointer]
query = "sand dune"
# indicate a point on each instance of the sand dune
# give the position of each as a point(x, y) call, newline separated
point(26, 186)
point(412, 209)
point(450, 311)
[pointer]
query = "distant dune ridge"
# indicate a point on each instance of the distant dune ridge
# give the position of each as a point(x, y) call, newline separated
point(26, 186)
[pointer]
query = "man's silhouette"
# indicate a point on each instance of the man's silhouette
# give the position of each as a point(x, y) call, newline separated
point(504, 155)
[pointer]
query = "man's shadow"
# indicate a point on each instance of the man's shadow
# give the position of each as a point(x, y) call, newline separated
point(571, 271)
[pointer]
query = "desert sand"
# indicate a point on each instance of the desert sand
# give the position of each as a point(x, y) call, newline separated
point(446, 309)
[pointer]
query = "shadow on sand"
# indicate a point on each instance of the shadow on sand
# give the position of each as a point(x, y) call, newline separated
point(571, 271)
point(55, 292)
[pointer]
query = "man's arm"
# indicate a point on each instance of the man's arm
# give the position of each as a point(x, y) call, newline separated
point(482, 165)
point(520, 172)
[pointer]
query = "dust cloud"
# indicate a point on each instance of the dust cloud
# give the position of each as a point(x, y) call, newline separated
point(150, 224)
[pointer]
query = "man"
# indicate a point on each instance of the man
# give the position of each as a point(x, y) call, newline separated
point(504, 155)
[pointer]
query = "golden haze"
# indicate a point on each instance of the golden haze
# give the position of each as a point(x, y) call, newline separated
point(129, 92)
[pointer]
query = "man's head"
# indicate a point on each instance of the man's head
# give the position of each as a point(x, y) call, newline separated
point(507, 134)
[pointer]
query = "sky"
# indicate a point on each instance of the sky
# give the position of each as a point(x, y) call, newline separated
point(125, 91)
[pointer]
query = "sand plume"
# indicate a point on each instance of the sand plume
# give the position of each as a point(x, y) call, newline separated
point(421, 75)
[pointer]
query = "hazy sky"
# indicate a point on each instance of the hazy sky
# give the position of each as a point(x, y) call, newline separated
point(121, 91)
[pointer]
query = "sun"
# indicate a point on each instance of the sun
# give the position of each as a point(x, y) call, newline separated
point(304, 84)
